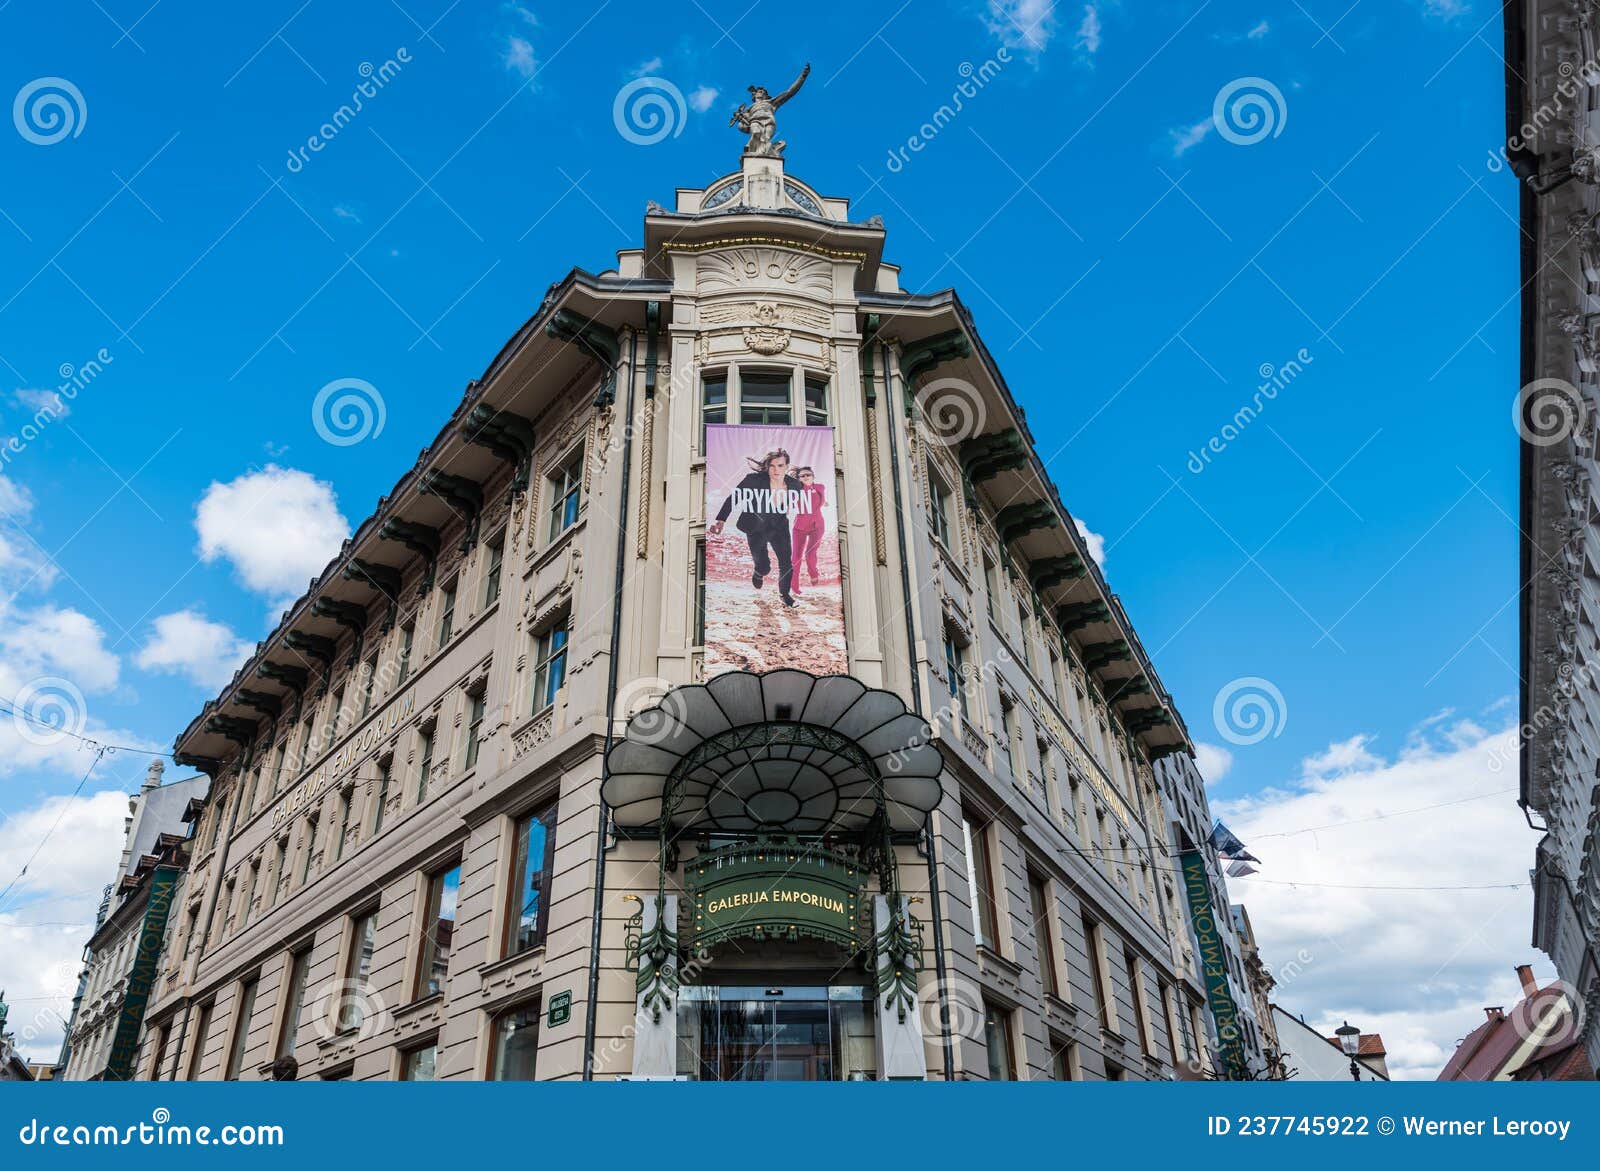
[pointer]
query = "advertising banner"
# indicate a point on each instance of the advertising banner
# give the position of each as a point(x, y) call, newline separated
point(142, 975)
point(773, 596)
point(1214, 965)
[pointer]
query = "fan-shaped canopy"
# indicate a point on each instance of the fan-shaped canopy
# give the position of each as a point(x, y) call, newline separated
point(784, 751)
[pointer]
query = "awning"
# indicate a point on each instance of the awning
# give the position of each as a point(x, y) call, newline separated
point(781, 752)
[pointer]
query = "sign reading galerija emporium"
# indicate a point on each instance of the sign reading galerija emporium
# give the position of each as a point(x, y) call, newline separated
point(773, 591)
point(142, 975)
point(1224, 1011)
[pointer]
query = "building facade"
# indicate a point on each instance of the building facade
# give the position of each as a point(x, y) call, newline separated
point(1553, 147)
point(1308, 1056)
point(106, 1027)
point(550, 775)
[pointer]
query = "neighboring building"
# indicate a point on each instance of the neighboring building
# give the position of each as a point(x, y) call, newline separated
point(12, 1066)
point(105, 1031)
point(931, 845)
point(44, 1071)
point(1308, 1056)
point(1260, 983)
point(1188, 812)
point(1552, 71)
point(1536, 1041)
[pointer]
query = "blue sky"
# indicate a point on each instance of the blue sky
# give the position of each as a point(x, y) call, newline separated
point(1133, 267)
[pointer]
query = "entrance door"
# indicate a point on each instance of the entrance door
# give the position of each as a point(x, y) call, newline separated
point(788, 1033)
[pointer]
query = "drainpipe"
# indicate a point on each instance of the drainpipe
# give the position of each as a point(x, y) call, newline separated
point(941, 975)
point(611, 709)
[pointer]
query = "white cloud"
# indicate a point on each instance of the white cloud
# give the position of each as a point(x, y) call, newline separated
point(278, 527)
point(1416, 965)
point(15, 501)
point(1186, 138)
point(22, 560)
point(48, 402)
point(646, 68)
point(50, 912)
point(518, 56)
point(700, 100)
point(345, 212)
point(1089, 31)
point(1259, 32)
point(1095, 542)
point(187, 643)
point(1022, 24)
point(1446, 9)
point(1213, 761)
point(55, 641)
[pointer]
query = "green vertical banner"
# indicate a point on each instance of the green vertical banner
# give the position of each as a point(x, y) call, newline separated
point(1214, 965)
point(142, 975)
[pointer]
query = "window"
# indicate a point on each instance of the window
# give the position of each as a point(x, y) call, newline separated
point(447, 613)
point(939, 515)
point(474, 728)
point(311, 848)
point(368, 682)
point(250, 873)
point(280, 884)
point(1169, 1014)
point(816, 401)
point(566, 494)
point(997, 1038)
point(1141, 1010)
point(344, 825)
point(162, 1038)
point(357, 969)
point(408, 635)
point(382, 796)
point(1008, 730)
point(491, 584)
point(247, 795)
point(241, 1027)
point(336, 715)
point(699, 593)
point(417, 1065)
point(764, 397)
point(713, 402)
point(955, 664)
point(550, 665)
point(1063, 1060)
point(1044, 948)
point(980, 880)
point(289, 1030)
point(425, 763)
point(1094, 946)
point(1025, 634)
point(990, 587)
point(514, 1040)
point(202, 1027)
point(533, 851)
point(438, 931)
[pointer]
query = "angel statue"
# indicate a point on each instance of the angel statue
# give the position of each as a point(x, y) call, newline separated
point(757, 119)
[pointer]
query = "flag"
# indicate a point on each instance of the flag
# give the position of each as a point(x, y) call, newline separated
point(1226, 844)
point(1240, 869)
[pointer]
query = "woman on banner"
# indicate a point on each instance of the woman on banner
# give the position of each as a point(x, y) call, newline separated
point(809, 525)
point(766, 499)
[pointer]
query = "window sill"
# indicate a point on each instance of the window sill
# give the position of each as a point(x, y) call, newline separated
point(557, 543)
point(432, 1000)
point(1055, 1002)
point(988, 955)
point(536, 953)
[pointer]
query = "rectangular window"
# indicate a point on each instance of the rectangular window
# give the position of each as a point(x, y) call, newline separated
point(1094, 948)
point(764, 397)
point(202, 1028)
point(991, 588)
point(491, 584)
point(162, 1038)
point(1063, 1060)
point(357, 970)
point(241, 1027)
point(939, 514)
point(243, 912)
point(382, 796)
point(713, 402)
point(408, 635)
point(1008, 730)
point(565, 485)
point(550, 665)
point(816, 401)
point(438, 931)
point(699, 593)
point(311, 848)
point(980, 878)
point(1044, 948)
point(336, 716)
point(417, 1065)
point(474, 729)
point(997, 1039)
point(533, 852)
point(343, 830)
point(1025, 634)
point(289, 1030)
point(955, 665)
point(280, 875)
point(425, 763)
point(1169, 1015)
point(447, 613)
point(1136, 991)
point(368, 682)
point(514, 1041)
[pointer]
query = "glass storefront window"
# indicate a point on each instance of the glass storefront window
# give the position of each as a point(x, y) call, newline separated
point(516, 1040)
point(776, 1034)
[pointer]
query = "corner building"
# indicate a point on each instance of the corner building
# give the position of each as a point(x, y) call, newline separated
point(545, 777)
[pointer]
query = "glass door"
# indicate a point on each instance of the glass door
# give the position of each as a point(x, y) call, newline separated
point(775, 1034)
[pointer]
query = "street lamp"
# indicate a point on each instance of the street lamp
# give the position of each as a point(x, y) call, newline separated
point(1350, 1041)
